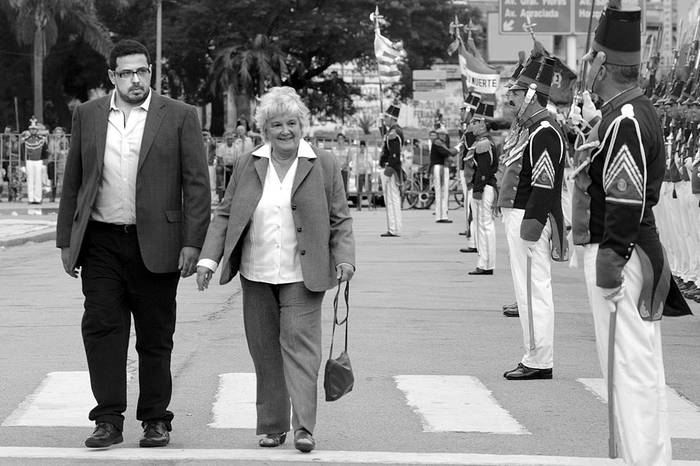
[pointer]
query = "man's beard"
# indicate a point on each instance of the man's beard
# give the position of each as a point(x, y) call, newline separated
point(134, 100)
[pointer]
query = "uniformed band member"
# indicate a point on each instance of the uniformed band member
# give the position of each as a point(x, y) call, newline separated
point(627, 274)
point(530, 199)
point(35, 152)
point(392, 174)
point(439, 162)
point(485, 155)
point(466, 169)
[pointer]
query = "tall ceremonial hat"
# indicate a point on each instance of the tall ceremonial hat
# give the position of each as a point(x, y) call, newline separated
point(484, 110)
point(619, 35)
point(676, 92)
point(538, 71)
point(33, 123)
point(472, 101)
point(393, 111)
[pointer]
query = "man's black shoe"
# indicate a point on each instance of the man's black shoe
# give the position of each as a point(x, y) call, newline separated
point(462, 233)
point(304, 441)
point(522, 372)
point(273, 440)
point(443, 220)
point(105, 435)
point(511, 312)
point(479, 271)
point(388, 234)
point(468, 250)
point(155, 434)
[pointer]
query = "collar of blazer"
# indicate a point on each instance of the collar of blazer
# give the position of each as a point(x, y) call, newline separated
point(156, 112)
point(305, 155)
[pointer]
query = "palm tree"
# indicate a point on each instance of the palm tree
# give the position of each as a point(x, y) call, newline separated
point(36, 23)
point(246, 70)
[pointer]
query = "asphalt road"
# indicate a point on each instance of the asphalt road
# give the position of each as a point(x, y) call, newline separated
point(414, 312)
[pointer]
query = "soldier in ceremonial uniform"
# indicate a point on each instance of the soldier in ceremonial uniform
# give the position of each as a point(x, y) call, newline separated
point(466, 169)
point(618, 179)
point(392, 174)
point(35, 153)
point(484, 191)
point(530, 200)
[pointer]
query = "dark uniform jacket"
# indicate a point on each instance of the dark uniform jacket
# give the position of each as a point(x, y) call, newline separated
point(34, 148)
point(614, 196)
point(439, 153)
point(486, 159)
point(391, 152)
point(534, 157)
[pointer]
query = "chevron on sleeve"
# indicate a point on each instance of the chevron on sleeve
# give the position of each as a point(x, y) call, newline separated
point(623, 182)
point(543, 172)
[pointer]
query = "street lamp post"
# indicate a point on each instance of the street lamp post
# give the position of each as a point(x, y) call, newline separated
point(159, 42)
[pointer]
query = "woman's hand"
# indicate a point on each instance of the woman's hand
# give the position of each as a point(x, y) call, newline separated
point(203, 277)
point(344, 272)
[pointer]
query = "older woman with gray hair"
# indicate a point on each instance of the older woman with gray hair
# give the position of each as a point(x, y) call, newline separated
point(284, 225)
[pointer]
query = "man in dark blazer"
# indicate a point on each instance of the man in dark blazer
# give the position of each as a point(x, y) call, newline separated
point(133, 216)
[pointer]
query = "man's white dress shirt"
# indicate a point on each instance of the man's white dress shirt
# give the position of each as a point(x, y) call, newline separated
point(116, 195)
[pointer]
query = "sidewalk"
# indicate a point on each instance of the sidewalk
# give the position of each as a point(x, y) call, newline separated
point(21, 222)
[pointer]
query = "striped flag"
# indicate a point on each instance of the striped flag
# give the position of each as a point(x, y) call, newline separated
point(476, 74)
point(389, 55)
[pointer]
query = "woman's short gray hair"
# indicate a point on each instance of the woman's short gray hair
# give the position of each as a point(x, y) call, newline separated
point(280, 100)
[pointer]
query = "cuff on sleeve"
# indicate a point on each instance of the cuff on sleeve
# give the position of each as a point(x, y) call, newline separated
point(208, 263)
point(609, 265)
point(531, 229)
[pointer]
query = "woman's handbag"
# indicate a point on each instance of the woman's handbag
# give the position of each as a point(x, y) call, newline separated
point(338, 377)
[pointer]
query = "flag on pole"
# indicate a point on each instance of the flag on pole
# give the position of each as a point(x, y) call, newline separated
point(389, 54)
point(476, 74)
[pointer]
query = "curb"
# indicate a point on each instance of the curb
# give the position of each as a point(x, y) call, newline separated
point(36, 238)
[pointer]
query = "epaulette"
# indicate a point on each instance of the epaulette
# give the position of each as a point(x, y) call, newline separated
point(482, 145)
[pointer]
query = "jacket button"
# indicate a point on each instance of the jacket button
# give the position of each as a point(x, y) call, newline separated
point(302, 252)
point(298, 228)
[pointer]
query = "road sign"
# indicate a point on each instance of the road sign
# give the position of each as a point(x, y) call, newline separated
point(582, 10)
point(554, 16)
point(547, 16)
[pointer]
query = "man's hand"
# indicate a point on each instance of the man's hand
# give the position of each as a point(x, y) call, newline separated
point(614, 295)
point(344, 272)
point(203, 277)
point(530, 247)
point(65, 258)
point(188, 261)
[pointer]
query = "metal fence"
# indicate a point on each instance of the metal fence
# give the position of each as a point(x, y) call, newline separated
point(13, 185)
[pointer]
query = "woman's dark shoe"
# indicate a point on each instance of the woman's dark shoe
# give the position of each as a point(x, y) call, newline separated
point(273, 440)
point(303, 441)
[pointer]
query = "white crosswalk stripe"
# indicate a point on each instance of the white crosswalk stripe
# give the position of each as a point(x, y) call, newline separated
point(684, 416)
point(62, 399)
point(234, 407)
point(456, 403)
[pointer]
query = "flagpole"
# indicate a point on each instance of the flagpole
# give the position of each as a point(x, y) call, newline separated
point(376, 17)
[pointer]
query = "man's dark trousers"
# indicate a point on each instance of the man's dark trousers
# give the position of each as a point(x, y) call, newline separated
point(116, 284)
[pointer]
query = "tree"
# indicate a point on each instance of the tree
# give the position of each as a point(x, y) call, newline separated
point(37, 24)
point(246, 70)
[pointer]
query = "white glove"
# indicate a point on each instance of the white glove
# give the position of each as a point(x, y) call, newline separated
point(614, 295)
point(575, 115)
point(589, 112)
point(530, 247)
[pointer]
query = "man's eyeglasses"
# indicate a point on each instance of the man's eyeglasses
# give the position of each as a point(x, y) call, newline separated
point(142, 73)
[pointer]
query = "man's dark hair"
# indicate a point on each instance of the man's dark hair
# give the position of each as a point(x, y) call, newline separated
point(623, 74)
point(127, 47)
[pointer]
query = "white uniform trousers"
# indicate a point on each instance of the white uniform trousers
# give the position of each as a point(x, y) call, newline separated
point(687, 232)
point(663, 223)
point(469, 206)
point(542, 357)
point(486, 230)
point(392, 200)
point(441, 183)
point(34, 180)
point(639, 385)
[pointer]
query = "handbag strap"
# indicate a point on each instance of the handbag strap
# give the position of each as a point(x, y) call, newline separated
point(336, 322)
